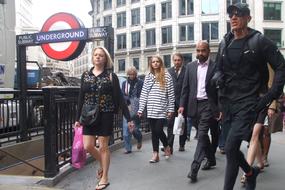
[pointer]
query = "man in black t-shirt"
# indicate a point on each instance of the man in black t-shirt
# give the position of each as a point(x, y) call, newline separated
point(241, 74)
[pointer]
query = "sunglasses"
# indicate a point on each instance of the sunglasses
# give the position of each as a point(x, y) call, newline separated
point(237, 14)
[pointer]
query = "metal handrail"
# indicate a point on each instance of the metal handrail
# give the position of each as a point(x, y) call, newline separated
point(23, 161)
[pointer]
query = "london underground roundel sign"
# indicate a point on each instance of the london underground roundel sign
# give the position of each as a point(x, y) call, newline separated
point(63, 51)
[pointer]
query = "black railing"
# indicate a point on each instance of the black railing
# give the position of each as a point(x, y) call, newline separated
point(11, 131)
point(51, 113)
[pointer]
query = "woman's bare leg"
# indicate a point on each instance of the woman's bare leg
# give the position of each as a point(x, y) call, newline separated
point(89, 146)
point(254, 145)
point(105, 157)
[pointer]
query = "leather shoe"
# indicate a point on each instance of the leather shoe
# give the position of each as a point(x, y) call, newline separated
point(181, 149)
point(251, 180)
point(139, 145)
point(193, 176)
point(208, 165)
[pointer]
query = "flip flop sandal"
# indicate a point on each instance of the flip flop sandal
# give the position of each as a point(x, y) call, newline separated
point(102, 186)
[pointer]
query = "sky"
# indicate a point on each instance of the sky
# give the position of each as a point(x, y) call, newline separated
point(43, 9)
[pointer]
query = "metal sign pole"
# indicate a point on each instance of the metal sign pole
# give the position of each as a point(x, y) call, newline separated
point(22, 81)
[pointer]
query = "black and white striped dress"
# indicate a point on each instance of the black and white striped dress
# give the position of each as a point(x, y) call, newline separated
point(157, 101)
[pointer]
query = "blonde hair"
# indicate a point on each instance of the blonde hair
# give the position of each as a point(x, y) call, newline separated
point(160, 74)
point(109, 63)
point(132, 69)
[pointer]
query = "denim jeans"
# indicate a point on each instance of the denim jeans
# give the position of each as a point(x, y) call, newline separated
point(127, 136)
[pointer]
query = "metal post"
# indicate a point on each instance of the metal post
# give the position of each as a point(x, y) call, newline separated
point(109, 41)
point(22, 85)
point(50, 134)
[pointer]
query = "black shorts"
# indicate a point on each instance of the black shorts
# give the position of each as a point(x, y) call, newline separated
point(261, 116)
point(105, 127)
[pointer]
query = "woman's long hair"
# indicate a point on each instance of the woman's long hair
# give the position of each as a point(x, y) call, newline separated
point(109, 63)
point(159, 73)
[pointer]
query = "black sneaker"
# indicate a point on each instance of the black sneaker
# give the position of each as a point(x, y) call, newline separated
point(251, 180)
point(193, 176)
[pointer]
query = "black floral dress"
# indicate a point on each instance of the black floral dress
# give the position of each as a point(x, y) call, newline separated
point(100, 90)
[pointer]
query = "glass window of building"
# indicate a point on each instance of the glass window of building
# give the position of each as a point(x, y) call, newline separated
point(121, 3)
point(136, 39)
point(210, 6)
point(134, 1)
point(135, 16)
point(272, 10)
point(108, 20)
point(187, 57)
point(97, 6)
point(274, 35)
point(121, 20)
point(167, 61)
point(107, 4)
point(150, 37)
point(136, 63)
point(150, 13)
point(166, 10)
point(186, 7)
point(166, 34)
point(121, 41)
point(230, 2)
point(98, 22)
point(210, 31)
point(122, 65)
point(186, 32)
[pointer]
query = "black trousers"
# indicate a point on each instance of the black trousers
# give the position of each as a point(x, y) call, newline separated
point(238, 119)
point(205, 148)
point(157, 133)
point(170, 136)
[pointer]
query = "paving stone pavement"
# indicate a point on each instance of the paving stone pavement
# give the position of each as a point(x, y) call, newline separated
point(134, 172)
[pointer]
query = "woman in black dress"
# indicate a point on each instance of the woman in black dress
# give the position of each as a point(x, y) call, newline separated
point(109, 99)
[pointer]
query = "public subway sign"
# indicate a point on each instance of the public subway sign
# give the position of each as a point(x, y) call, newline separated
point(63, 36)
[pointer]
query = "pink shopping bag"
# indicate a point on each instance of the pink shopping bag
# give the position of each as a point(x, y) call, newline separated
point(78, 152)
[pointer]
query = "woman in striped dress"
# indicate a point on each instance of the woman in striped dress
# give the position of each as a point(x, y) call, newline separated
point(158, 97)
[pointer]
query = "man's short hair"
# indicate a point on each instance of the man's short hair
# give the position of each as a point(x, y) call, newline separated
point(242, 7)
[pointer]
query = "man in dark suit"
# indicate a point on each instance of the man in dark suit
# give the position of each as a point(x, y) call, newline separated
point(177, 73)
point(201, 107)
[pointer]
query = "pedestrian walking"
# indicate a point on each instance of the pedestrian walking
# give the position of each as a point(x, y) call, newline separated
point(177, 73)
point(241, 74)
point(100, 87)
point(201, 107)
point(255, 149)
point(158, 97)
point(132, 90)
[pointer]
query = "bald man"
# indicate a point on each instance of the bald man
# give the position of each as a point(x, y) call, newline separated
point(201, 106)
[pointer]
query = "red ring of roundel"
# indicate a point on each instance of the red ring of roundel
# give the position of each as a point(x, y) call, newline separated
point(68, 52)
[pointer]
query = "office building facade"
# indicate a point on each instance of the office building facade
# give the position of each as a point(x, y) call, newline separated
point(144, 28)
